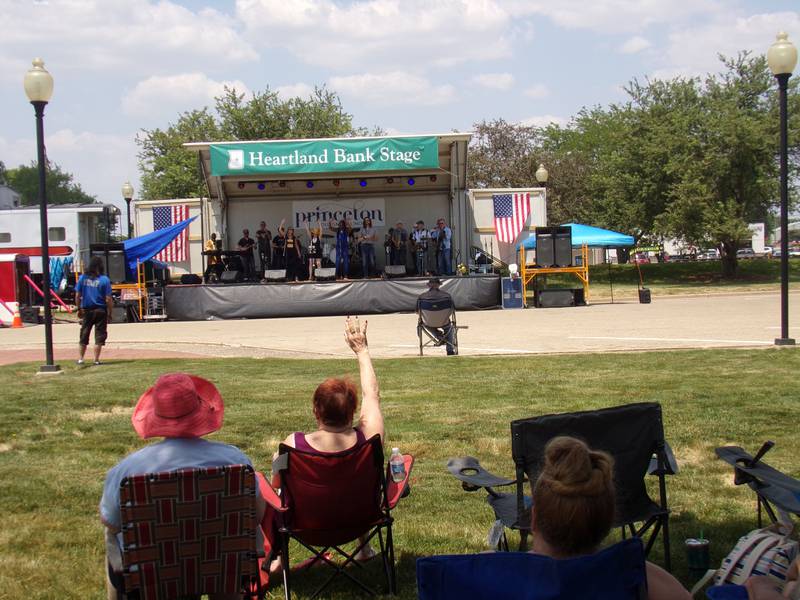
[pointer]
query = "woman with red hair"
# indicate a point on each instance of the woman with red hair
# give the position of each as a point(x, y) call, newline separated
point(334, 404)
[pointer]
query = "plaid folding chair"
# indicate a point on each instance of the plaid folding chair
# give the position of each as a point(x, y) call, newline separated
point(191, 532)
point(437, 322)
point(632, 434)
point(615, 573)
point(329, 500)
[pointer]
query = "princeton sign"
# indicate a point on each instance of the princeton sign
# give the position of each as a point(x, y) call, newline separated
point(325, 156)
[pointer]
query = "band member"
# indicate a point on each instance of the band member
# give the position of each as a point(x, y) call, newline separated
point(264, 242)
point(245, 246)
point(278, 242)
point(419, 241)
point(343, 232)
point(214, 264)
point(366, 242)
point(293, 254)
point(388, 245)
point(399, 244)
point(314, 249)
point(444, 236)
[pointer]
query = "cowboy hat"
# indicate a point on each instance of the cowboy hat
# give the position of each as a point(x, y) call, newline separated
point(179, 406)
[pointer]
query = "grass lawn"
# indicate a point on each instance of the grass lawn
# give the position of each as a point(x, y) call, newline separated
point(58, 436)
point(757, 274)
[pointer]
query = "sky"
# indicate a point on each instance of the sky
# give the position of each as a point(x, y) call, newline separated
point(408, 66)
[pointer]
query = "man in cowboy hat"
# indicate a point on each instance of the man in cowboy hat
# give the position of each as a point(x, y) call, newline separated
point(181, 408)
point(436, 299)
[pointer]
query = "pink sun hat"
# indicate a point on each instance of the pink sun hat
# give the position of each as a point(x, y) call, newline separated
point(179, 405)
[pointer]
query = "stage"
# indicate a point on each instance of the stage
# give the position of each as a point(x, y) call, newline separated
point(317, 299)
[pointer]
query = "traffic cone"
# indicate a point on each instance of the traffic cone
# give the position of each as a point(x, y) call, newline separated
point(17, 322)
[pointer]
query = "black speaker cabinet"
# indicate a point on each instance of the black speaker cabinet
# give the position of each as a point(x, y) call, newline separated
point(555, 298)
point(644, 296)
point(191, 279)
point(230, 277)
point(545, 247)
point(563, 246)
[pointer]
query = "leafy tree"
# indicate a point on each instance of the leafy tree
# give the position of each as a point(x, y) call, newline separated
point(61, 187)
point(169, 171)
point(3, 174)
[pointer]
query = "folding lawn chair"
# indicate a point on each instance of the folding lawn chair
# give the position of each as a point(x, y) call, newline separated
point(191, 532)
point(329, 500)
point(615, 573)
point(632, 434)
point(437, 320)
point(773, 489)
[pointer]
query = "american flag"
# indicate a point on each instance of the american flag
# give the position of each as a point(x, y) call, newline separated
point(164, 216)
point(510, 213)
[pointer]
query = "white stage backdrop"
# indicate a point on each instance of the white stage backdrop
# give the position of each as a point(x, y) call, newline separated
point(351, 209)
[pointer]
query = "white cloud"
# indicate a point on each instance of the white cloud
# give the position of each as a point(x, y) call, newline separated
point(693, 51)
point(295, 90)
point(544, 121)
point(614, 16)
point(381, 33)
point(134, 36)
point(162, 96)
point(634, 45)
point(100, 162)
point(393, 88)
point(537, 91)
point(494, 81)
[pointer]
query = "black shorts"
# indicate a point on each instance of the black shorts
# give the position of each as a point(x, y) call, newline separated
point(97, 318)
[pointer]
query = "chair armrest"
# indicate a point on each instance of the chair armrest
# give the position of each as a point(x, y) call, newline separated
point(671, 466)
point(394, 489)
point(469, 471)
point(269, 494)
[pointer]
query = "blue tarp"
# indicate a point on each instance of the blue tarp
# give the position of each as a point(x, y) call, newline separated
point(594, 237)
point(146, 246)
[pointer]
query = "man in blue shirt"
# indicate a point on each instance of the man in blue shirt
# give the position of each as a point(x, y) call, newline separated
point(444, 236)
point(95, 306)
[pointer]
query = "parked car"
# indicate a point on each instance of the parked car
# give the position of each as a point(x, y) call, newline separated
point(640, 258)
point(794, 252)
point(745, 253)
point(679, 258)
point(712, 254)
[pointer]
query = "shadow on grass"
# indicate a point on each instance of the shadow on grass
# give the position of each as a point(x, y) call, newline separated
point(305, 583)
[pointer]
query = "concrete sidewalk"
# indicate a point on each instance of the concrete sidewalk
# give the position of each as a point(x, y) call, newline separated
point(721, 321)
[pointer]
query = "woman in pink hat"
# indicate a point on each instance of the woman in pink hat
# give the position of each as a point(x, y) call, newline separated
point(181, 409)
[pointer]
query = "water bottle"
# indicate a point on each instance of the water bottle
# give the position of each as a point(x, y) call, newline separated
point(397, 466)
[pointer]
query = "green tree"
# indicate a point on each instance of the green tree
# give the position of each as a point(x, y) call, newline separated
point(170, 171)
point(3, 173)
point(60, 185)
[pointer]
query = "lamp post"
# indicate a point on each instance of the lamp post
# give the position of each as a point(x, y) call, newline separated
point(782, 58)
point(542, 175)
point(127, 193)
point(39, 88)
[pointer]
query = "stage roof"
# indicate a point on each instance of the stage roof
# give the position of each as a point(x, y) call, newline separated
point(263, 169)
point(594, 237)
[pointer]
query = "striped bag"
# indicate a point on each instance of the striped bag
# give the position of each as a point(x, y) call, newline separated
point(769, 551)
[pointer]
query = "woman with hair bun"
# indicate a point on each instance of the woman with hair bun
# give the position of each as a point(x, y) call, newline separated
point(573, 509)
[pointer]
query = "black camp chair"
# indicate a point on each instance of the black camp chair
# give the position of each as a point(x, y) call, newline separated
point(632, 434)
point(437, 318)
point(773, 489)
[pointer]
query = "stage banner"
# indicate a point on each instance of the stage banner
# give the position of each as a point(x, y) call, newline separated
point(324, 156)
point(354, 210)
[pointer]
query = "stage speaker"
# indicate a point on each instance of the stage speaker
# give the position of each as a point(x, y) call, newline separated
point(116, 266)
point(394, 271)
point(275, 275)
point(644, 296)
point(563, 246)
point(230, 277)
point(545, 247)
point(191, 279)
point(555, 298)
point(325, 273)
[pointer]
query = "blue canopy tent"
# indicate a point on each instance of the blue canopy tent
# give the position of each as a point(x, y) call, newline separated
point(145, 247)
point(593, 237)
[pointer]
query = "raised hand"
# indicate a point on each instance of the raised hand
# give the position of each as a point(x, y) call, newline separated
point(355, 335)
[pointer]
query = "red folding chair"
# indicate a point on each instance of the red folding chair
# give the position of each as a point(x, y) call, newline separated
point(191, 532)
point(327, 501)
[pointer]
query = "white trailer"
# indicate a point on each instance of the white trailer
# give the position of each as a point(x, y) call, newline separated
point(71, 228)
